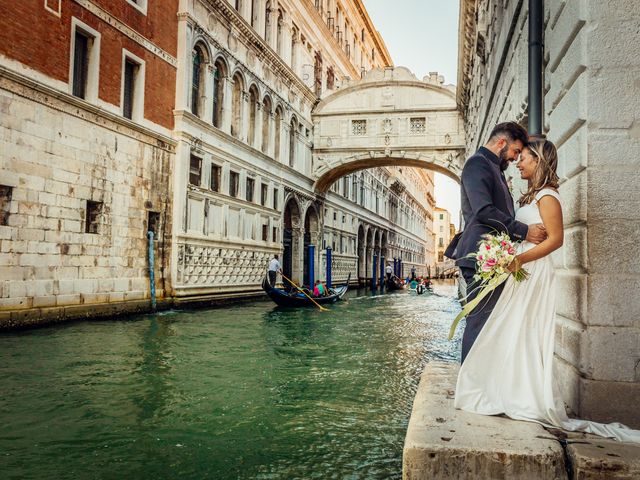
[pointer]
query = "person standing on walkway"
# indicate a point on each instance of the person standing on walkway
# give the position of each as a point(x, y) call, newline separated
point(273, 270)
point(487, 207)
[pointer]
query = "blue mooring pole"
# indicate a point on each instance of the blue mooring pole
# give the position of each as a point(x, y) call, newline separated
point(152, 276)
point(395, 266)
point(328, 257)
point(381, 271)
point(373, 273)
point(311, 252)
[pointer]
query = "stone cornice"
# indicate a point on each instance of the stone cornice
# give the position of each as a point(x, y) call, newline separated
point(466, 43)
point(260, 46)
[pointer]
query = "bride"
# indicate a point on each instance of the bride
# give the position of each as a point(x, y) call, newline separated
point(509, 368)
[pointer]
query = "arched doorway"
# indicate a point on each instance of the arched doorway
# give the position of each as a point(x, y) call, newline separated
point(311, 230)
point(362, 260)
point(289, 244)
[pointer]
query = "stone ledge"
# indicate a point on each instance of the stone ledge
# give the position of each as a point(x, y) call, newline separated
point(592, 458)
point(445, 443)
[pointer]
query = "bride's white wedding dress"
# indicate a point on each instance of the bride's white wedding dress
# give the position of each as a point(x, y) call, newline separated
point(509, 368)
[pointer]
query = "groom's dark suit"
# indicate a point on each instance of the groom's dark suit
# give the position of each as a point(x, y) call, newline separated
point(487, 206)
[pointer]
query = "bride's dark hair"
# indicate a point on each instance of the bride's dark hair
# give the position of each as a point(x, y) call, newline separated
point(545, 175)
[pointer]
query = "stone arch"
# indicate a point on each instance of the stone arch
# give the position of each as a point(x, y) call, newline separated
point(312, 233)
point(254, 99)
point(277, 121)
point(369, 242)
point(220, 72)
point(393, 119)
point(293, 128)
point(291, 236)
point(237, 95)
point(361, 252)
point(267, 109)
point(200, 57)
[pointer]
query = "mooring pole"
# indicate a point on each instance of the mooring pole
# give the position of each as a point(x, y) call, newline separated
point(328, 257)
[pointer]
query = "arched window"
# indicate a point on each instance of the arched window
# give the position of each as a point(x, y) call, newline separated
point(279, 37)
point(253, 108)
point(218, 92)
point(236, 106)
point(197, 79)
point(266, 123)
point(292, 141)
point(267, 23)
point(278, 128)
point(237, 4)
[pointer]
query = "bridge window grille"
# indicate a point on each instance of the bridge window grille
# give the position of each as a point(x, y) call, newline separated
point(417, 125)
point(358, 127)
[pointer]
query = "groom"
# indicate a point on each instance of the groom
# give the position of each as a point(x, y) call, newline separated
point(487, 206)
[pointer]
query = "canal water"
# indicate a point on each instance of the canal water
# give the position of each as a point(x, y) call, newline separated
point(246, 392)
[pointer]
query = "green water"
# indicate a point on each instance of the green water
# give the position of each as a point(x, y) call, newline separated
point(243, 392)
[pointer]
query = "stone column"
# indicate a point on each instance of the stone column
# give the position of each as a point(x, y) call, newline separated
point(227, 85)
point(257, 135)
point(207, 104)
point(258, 16)
point(273, 28)
point(284, 145)
point(244, 118)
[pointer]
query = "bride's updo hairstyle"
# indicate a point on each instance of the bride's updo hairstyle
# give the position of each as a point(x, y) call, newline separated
point(545, 175)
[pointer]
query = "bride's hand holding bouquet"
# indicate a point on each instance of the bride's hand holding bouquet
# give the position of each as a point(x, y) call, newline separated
point(496, 260)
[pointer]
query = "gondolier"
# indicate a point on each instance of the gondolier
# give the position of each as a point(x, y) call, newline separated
point(274, 269)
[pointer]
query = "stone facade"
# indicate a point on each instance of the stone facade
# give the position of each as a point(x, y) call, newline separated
point(591, 114)
point(249, 75)
point(443, 232)
point(80, 183)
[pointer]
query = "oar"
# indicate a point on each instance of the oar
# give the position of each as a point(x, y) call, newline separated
point(305, 293)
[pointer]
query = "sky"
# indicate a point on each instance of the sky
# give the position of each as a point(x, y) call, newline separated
point(423, 36)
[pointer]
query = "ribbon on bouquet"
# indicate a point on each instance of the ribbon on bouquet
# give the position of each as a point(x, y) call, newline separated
point(489, 287)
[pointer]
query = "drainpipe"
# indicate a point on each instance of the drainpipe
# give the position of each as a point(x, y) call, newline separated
point(152, 276)
point(536, 69)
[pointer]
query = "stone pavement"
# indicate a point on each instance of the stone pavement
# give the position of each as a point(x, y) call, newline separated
point(444, 443)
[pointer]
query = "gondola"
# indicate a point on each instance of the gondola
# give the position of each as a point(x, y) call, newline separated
point(298, 299)
point(394, 283)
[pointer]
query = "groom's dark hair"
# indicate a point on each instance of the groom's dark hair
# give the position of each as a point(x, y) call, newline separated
point(511, 130)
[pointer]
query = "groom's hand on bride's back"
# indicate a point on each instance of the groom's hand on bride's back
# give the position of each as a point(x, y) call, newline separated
point(536, 233)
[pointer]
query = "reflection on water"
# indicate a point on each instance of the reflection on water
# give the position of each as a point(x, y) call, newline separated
point(243, 392)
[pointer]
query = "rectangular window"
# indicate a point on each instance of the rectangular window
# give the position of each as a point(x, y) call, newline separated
point(275, 198)
point(441, 242)
point(5, 204)
point(264, 191)
point(274, 234)
point(215, 178)
point(442, 216)
point(251, 184)
point(130, 73)
point(358, 127)
point(92, 216)
point(417, 125)
point(80, 64)
point(234, 182)
point(265, 233)
point(195, 170)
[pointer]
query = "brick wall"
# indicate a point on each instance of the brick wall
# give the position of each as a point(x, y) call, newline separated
point(40, 40)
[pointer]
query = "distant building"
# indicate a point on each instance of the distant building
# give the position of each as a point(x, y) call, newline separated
point(443, 231)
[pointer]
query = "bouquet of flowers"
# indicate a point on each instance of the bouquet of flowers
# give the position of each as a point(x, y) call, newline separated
point(495, 254)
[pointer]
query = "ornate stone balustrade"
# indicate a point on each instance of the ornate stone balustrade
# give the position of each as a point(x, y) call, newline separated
point(223, 266)
point(341, 266)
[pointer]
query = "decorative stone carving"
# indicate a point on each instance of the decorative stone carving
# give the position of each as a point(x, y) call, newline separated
point(217, 267)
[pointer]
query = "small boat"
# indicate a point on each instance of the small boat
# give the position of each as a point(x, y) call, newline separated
point(394, 284)
point(299, 299)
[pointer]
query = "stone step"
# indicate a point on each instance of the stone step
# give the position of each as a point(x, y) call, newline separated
point(445, 443)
